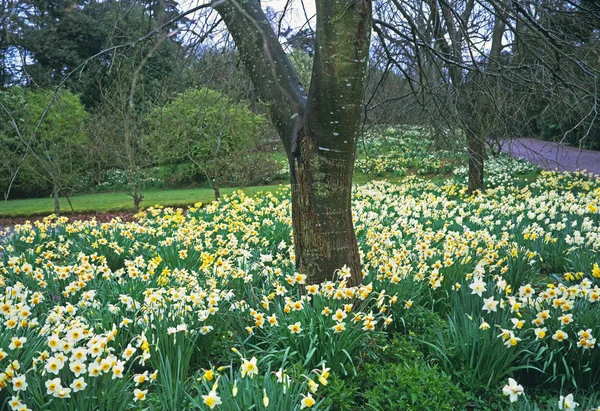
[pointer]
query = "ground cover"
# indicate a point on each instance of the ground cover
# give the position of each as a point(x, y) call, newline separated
point(199, 310)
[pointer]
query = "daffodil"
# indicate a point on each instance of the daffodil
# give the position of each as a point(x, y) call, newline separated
point(139, 395)
point(307, 402)
point(490, 305)
point(208, 375)
point(512, 390)
point(249, 367)
point(478, 287)
point(17, 342)
point(567, 403)
point(234, 390)
point(78, 384)
point(560, 335)
point(295, 328)
point(596, 270)
point(212, 399)
point(19, 383)
point(540, 333)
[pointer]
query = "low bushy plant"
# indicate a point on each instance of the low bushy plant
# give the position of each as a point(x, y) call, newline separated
point(398, 379)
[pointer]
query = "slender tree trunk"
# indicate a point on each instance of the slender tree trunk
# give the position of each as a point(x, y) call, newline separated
point(68, 197)
point(217, 170)
point(217, 191)
point(55, 193)
point(480, 108)
point(137, 200)
point(476, 151)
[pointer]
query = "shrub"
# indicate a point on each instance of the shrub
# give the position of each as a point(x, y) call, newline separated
point(400, 379)
point(247, 169)
point(416, 387)
point(50, 124)
point(202, 126)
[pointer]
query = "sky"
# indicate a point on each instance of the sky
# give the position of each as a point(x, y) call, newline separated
point(295, 16)
point(297, 11)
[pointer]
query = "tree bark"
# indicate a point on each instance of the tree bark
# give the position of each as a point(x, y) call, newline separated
point(476, 152)
point(480, 106)
point(319, 131)
point(466, 100)
point(324, 236)
point(137, 200)
point(217, 191)
point(55, 193)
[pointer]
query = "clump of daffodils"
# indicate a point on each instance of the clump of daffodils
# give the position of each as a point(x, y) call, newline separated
point(85, 302)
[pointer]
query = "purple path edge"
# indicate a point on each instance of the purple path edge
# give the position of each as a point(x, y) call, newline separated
point(553, 156)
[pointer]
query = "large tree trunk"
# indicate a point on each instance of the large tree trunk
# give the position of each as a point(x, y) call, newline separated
point(319, 130)
point(324, 235)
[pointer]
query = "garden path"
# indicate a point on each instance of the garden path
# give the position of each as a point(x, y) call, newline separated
point(551, 155)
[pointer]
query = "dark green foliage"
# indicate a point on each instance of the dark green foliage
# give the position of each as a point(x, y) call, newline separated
point(48, 144)
point(248, 169)
point(195, 121)
point(415, 386)
point(400, 379)
point(209, 129)
point(71, 43)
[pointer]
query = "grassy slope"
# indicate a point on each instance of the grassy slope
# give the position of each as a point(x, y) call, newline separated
point(120, 201)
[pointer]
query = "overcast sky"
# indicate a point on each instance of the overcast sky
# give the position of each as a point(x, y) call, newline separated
point(278, 5)
point(295, 15)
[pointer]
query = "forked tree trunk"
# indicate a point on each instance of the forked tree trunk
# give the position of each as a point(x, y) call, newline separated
point(452, 47)
point(319, 130)
point(481, 106)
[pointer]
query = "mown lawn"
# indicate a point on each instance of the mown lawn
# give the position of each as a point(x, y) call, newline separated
point(118, 201)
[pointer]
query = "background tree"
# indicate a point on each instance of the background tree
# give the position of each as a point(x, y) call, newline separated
point(117, 129)
point(475, 67)
point(48, 43)
point(205, 127)
point(46, 129)
point(559, 44)
point(445, 49)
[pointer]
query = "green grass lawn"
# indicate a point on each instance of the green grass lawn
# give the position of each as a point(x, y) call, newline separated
point(117, 201)
point(120, 201)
